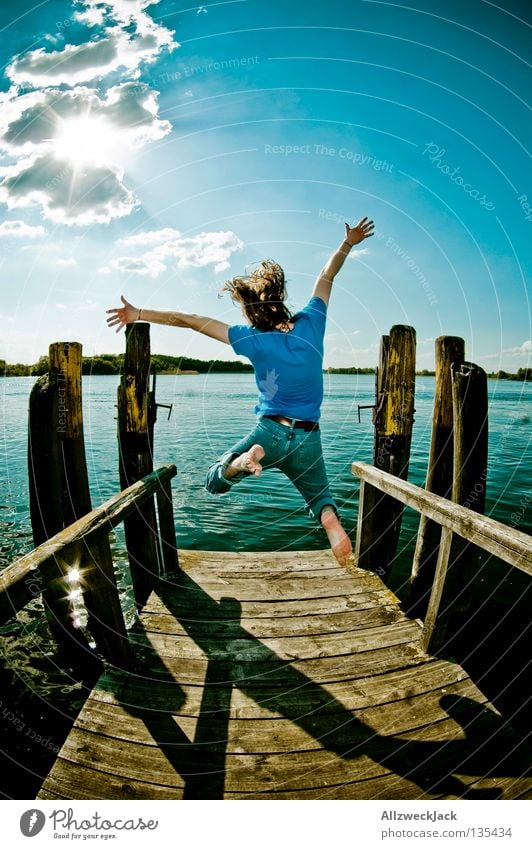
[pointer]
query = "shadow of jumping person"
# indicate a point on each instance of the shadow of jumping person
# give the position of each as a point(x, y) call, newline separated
point(237, 659)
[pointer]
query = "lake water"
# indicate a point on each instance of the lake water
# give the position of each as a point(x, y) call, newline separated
point(210, 412)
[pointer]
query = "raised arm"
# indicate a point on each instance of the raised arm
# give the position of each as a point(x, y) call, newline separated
point(127, 314)
point(353, 235)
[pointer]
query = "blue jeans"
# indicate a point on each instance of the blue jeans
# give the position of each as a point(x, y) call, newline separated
point(294, 451)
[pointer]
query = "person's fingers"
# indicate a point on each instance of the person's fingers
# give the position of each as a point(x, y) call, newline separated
point(360, 223)
point(123, 299)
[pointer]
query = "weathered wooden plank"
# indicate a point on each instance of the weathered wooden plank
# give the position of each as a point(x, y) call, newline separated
point(275, 722)
point(347, 757)
point(265, 627)
point(423, 774)
point(70, 780)
point(512, 546)
point(282, 589)
point(178, 604)
point(322, 670)
point(129, 689)
point(114, 715)
point(282, 648)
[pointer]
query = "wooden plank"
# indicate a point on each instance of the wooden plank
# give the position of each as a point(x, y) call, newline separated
point(282, 648)
point(266, 627)
point(286, 589)
point(349, 756)
point(273, 721)
point(68, 780)
point(126, 690)
point(129, 696)
point(322, 670)
point(178, 604)
point(512, 546)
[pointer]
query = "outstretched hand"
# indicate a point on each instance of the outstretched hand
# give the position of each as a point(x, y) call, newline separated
point(120, 316)
point(361, 231)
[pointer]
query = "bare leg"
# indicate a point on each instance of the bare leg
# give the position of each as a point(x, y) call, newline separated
point(338, 539)
point(247, 462)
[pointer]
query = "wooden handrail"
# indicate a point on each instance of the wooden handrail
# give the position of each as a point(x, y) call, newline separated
point(511, 545)
point(23, 579)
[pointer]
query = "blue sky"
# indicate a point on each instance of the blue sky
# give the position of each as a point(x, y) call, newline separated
point(132, 165)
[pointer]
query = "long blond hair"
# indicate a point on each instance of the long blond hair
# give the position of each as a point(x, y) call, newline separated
point(261, 295)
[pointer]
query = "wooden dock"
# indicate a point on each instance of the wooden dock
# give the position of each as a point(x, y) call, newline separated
point(284, 676)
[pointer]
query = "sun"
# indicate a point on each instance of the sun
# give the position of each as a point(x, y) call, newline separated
point(86, 140)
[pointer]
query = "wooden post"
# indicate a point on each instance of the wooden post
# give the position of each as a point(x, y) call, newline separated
point(135, 458)
point(449, 352)
point(59, 495)
point(394, 416)
point(44, 468)
point(470, 461)
point(65, 360)
point(97, 581)
point(437, 615)
point(167, 528)
point(48, 409)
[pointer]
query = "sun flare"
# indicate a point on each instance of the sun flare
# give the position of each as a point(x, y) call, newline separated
point(86, 140)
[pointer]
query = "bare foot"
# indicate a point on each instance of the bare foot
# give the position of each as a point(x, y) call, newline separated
point(338, 539)
point(247, 462)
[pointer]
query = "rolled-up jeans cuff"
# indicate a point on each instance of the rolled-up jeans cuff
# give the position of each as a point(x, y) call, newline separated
point(316, 509)
point(225, 460)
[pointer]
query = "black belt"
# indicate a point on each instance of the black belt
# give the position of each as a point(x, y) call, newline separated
point(294, 422)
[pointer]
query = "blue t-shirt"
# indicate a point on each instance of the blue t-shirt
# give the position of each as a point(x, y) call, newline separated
point(288, 366)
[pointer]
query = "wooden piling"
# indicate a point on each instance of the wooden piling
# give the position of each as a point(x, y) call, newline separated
point(380, 520)
point(136, 458)
point(49, 421)
point(59, 495)
point(449, 351)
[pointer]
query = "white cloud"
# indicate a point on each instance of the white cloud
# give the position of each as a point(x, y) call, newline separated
point(526, 347)
point(36, 124)
point(133, 38)
point(37, 120)
point(66, 195)
point(150, 237)
point(20, 230)
point(67, 263)
point(144, 266)
point(180, 253)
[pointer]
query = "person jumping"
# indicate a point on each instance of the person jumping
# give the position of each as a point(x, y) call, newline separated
point(286, 351)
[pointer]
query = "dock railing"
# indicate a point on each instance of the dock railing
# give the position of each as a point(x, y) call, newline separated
point(74, 562)
point(509, 544)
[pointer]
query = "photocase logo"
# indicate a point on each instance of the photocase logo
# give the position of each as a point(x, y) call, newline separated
point(32, 822)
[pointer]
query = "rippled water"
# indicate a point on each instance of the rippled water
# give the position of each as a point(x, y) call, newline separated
point(210, 412)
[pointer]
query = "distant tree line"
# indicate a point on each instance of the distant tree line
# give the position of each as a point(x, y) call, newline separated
point(164, 363)
point(524, 374)
point(112, 364)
